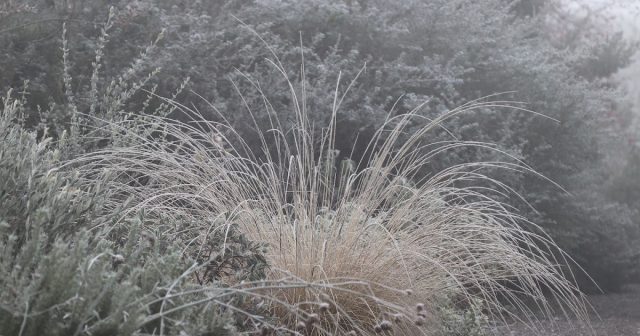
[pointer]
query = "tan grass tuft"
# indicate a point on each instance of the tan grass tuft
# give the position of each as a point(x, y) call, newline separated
point(346, 247)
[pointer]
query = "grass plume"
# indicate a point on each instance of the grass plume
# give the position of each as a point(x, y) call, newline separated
point(353, 247)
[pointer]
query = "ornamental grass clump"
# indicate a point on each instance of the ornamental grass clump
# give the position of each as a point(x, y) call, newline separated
point(353, 248)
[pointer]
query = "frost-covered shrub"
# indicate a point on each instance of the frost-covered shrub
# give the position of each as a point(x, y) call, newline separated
point(87, 285)
point(465, 318)
point(30, 182)
point(66, 269)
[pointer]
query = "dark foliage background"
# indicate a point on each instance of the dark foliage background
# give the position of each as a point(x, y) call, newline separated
point(442, 51)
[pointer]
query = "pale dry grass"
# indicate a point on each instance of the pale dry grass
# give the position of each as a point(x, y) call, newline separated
point(350, 250)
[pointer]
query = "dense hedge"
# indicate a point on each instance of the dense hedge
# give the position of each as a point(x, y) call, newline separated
point(443, 52)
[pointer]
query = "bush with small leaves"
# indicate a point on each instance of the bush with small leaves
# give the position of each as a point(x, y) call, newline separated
point(87, 285)
point(461, 318)
point(66, 269)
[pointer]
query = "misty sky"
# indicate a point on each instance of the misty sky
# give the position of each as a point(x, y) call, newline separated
point(624, 14)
